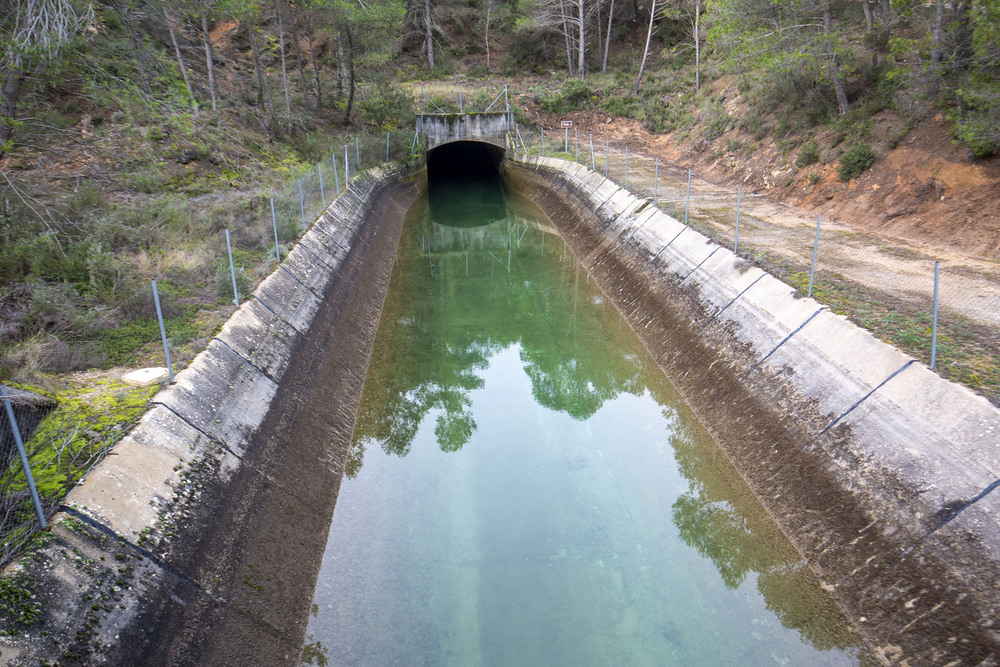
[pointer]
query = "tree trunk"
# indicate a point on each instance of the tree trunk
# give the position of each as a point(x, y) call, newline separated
point(697, 46)
point(180, 59)
point(936, 52)
point(838, 83)
point(341, 68)
point(13, 78)
point(315, 65)
point(299, 60)
point(350, 75)
point(284, 71)
point(429, 34)
point(607, 38)
point(566, 36)
point(489, 9)
point(208, 59)
point(868, 6)
point(581, 51)
point(263, 92)
point(645, 51)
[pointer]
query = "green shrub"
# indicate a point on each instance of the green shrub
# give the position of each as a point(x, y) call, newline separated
point(808, 154)
point(855, 161)
point(224, 281)
point(716, 120)
point(386, 106)
point(573, 95)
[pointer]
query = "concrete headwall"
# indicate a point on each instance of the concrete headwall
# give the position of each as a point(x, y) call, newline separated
point(878, 470)
point(199, 538)
point(443, 128)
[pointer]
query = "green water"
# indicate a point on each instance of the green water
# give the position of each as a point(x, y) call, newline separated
point(525, 489)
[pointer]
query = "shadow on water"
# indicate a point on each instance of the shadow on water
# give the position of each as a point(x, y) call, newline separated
point(463, 184)
point(463, 293)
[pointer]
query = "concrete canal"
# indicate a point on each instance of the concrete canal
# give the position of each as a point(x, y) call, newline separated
point(525, 488)
point(509, 475)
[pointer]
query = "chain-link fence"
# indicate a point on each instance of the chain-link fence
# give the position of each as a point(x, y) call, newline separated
point(883, 285)
point(82, 340)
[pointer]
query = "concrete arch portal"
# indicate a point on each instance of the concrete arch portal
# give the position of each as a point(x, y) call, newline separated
point(444, 128)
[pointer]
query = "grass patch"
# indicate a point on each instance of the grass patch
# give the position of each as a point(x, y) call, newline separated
point(966, 353)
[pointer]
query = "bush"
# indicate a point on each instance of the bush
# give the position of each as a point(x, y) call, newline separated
point(716, 120)
point(808, 154)
point(855, 161)
point(224, 281)
point(574, 95)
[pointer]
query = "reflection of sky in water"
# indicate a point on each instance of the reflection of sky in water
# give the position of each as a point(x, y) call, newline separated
point(522, 492)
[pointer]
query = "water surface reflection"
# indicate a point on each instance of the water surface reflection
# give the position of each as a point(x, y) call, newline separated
point(524, 489)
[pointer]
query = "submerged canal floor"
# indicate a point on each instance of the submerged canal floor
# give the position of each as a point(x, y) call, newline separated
point(524, 488)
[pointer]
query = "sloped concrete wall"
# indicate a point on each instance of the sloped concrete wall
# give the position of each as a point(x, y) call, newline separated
point(198, 539)
point(881, 472)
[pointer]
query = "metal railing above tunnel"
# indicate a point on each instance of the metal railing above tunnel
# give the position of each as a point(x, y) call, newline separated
point(482, 118)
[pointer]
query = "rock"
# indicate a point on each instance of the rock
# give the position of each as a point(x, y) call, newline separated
point(186, 155)
point(145, 377)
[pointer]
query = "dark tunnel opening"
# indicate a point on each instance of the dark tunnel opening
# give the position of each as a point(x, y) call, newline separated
point(464, 188)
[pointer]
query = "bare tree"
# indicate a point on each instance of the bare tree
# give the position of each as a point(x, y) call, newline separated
point(209, 59)
point(180, 57)
point(429, 34)
point(838, 81)
point(284, 68)
point(607, 39)
point(645, 51)
point(489, 10)
point(33, 33)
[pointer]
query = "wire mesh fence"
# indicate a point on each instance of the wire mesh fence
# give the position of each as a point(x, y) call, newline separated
point(59, 451)
point(885, 286)
point(50, 329)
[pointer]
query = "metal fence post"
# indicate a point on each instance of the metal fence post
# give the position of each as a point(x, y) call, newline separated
point(626, 167)
point(347, 168)
point(593, 164)
point(24, 456)
point(607, 157)
point(322, 195)
point(736, 240)
point(357, 153)
point(566, 140)
point(302, 205)
point(232, 271)
point(576, 143)
point(934, 327)
point(543, 142)
point(812, 271)
point(274, 222)
point(656, 181)
point(387, 146)
point(336, 176)
point(687, 205)
point(163, 334)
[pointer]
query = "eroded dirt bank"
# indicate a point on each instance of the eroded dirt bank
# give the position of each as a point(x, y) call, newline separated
point(915, 600)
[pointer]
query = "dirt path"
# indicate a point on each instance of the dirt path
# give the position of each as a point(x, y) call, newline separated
point(969, 287)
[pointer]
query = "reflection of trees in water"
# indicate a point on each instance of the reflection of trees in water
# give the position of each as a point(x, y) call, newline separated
point(719, 517)
point(440, 331)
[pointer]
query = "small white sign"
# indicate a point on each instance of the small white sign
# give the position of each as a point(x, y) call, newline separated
point(567, 123)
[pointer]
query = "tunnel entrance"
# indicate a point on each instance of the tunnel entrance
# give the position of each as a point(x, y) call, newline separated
point(464, 188)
